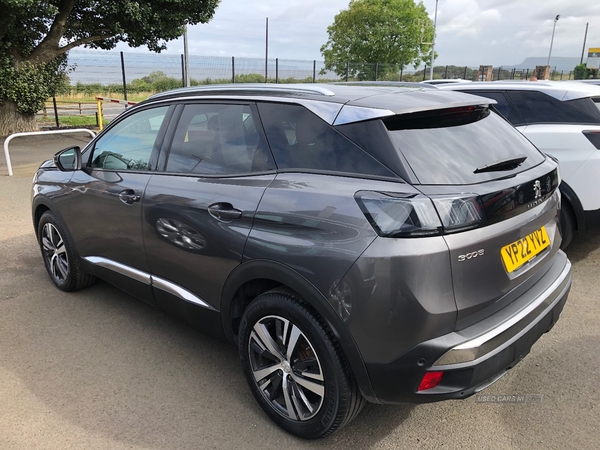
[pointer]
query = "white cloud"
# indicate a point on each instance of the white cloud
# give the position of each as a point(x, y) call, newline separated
point(470, 32)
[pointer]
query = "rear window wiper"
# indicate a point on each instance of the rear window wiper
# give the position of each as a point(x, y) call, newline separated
point(505, 164)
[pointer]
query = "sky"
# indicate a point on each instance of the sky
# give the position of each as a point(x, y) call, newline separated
point(469, 32)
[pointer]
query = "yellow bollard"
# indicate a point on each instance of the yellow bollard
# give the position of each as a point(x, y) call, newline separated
point(100, 124)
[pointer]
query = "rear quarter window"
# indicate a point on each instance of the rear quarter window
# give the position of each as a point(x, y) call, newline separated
point(537, 107)
point(447, 147)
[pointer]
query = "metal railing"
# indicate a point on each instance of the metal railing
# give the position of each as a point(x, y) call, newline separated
point(35, 133)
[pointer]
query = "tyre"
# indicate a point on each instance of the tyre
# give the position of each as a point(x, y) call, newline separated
point(295, 368)
point(61, 261)
point(567, 225)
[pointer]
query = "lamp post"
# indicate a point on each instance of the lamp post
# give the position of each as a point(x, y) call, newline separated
point(552, 40)
point(433, 41)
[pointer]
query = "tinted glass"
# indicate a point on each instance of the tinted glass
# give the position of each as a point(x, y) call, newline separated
point(217, 139)
point(301, 140)
point(129, 144)
point(503, 106)
point(447, 148)
point(587, 106)
point(536, 107)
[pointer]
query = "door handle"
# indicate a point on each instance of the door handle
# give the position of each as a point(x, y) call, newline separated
point(224, 212)
point(129, 197)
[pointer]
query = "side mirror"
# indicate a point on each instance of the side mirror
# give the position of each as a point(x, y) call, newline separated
point(68, 160)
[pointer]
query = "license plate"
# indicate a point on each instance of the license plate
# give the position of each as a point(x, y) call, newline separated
point(519, 252)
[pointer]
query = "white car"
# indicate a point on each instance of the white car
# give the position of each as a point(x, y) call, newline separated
point(563, 120)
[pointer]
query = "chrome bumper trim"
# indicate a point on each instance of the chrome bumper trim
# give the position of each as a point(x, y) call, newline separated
point(524, 320)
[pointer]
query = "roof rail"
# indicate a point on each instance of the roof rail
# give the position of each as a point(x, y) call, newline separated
point(303, 89)
point(388, 83)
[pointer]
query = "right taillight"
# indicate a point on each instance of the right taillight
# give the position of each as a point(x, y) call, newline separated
point(593, 137)
point(414, 215)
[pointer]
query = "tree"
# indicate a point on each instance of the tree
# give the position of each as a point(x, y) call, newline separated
point(36, 36)
point(378, 35)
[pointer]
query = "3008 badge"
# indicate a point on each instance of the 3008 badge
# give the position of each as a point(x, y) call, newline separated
point(471, 255)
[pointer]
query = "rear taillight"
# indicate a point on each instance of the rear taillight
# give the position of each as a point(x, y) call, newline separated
point(399, 215)
point(593, 137)
point(459, 213)
point(414, 215)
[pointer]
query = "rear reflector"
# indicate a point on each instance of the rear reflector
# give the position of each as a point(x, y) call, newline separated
point(430, 380)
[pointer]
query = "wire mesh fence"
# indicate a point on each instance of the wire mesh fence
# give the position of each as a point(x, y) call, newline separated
point(136, 75)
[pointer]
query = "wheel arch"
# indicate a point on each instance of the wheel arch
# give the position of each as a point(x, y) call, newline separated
point(571, 197)
point(257, 276)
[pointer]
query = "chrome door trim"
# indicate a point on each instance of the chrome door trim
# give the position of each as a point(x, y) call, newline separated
point(128, 271)
point(146, 278)
point(178, 291)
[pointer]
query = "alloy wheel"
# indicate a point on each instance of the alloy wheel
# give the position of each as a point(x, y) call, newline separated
point(55, 252)
point(286, 368)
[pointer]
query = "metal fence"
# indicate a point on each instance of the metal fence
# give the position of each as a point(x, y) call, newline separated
point(132, 71)
point(135, 75)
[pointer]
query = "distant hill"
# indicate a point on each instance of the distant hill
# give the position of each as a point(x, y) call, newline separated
point(559, 62)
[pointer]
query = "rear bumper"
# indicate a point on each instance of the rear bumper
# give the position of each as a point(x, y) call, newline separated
point(475, 357)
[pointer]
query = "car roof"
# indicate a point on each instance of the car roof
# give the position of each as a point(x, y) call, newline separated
point(349, 102)
point(561, 90)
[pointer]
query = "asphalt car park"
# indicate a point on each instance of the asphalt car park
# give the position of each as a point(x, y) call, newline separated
point(100, 369)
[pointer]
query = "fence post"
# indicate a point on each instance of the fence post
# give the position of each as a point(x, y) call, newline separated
point(182, 73)
point(465, 77)
point(561, 75)
point(347, 69)
point(401, 70)
point(99, 113)
point(314, 70)
point(376, 71)
point(446, 72)
point(570, 72)
point(124, 79)
point(55, 111)
point(233, 69)
point(276, 70)
point(424, 72)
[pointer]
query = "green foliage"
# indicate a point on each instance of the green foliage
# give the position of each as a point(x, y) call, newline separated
point(581, 72)
point(35, 37)
point(28, 85)
point(389, 32)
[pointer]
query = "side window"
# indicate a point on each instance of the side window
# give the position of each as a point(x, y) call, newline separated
point(129, 144)
point(504, 107)
point(218, 139)
point(301, 140)
point(536, 107)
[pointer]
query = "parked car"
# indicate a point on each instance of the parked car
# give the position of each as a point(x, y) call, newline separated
point(563, 120)
point(595, 81)
point(354, 242)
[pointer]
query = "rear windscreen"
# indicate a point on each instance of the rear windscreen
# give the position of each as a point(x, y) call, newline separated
point(461, 145)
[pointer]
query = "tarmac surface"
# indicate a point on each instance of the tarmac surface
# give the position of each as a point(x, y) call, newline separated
point(98, 369)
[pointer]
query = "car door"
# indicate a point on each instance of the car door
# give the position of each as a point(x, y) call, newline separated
point(199, 210)
point(105, 207)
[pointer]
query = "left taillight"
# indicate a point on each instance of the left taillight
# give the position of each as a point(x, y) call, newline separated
point(399, 215)
point(415, 215)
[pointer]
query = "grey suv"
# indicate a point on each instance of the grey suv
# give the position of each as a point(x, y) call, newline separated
point(358, 243)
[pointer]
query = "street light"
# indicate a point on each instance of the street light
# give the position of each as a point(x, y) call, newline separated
point(552, 40)
point(433, 42)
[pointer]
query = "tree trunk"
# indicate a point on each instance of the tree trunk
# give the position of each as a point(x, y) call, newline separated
point(12, 121)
